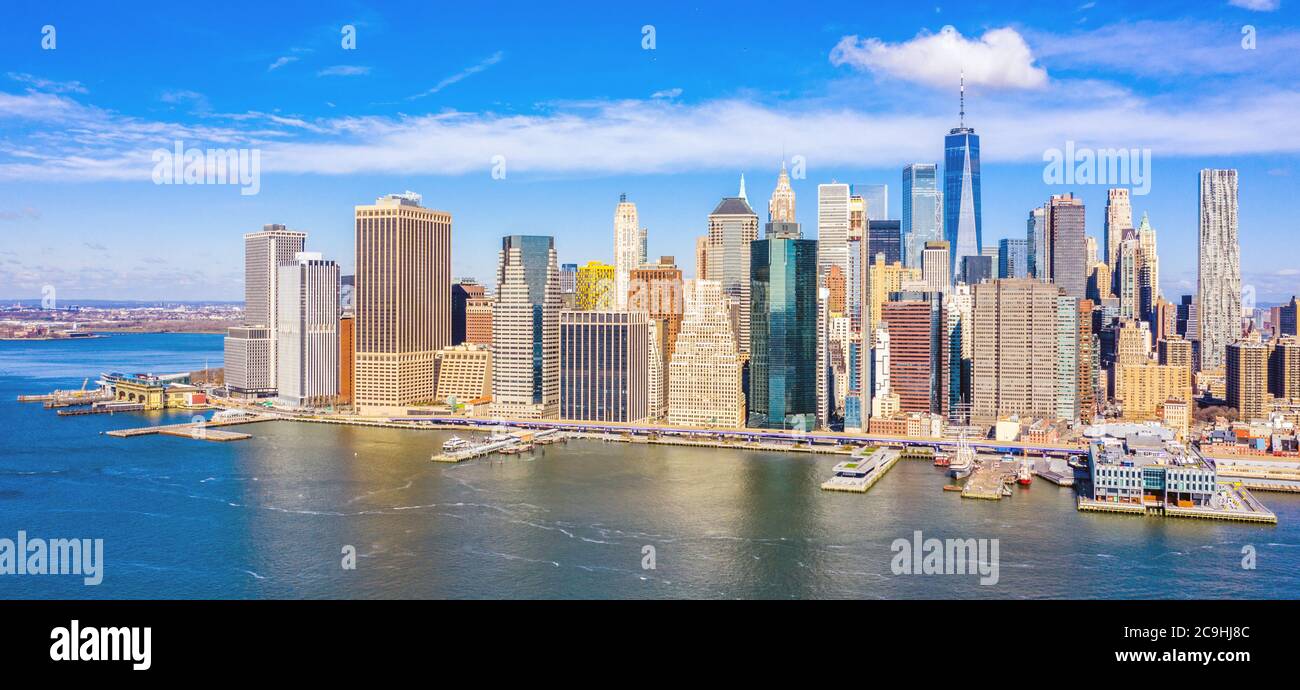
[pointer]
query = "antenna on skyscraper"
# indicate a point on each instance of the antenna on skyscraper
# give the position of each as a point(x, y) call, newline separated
point(742, 187)
point(962, 124)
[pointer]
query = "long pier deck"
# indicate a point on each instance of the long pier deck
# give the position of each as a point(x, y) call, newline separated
point(202, 431)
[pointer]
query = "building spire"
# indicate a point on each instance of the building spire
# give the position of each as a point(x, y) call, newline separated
point(962, 115)
point(742, 187)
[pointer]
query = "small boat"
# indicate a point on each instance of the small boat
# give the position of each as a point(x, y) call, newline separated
point(942, 460)
point(454, 443)
point(951, 487)
point(1024, 476)
point(1006, 490)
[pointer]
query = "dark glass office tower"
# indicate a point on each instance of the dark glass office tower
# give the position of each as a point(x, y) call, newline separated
point(783, 333)
point(885, 237)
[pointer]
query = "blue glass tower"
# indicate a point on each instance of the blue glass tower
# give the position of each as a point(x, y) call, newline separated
point(922, 218)
point(961, 190)
point(783, 332)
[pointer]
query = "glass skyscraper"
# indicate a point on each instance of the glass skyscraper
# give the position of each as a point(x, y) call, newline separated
point(884, 237)
point(783, 333)
point(922, 215)
point(961, 193)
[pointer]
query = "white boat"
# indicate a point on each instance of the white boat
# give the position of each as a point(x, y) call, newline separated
point(454, 443)
point(963, 461)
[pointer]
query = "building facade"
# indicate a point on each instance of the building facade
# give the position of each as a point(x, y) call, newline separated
point(403, 301)
point(525, 329)
point(604, 366)
point(307, 334)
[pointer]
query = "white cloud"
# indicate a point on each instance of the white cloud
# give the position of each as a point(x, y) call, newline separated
point(1257, 5)
point(1000, 59)
point(667, 93)
point(344, 71)
point(47, 85)
point(644, 136)
point(281, 62)
point(467, 72)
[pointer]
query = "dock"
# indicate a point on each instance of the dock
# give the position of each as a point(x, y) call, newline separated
point(514, 444)
point(203, 431)
point(1239, 506)
point(102, 409)
point(860, 474)
point(989, 478)
point(1057, 473)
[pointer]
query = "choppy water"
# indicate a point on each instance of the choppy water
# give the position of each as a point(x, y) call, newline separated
point(269, 517)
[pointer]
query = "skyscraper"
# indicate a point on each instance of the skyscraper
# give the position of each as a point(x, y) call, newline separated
point(704, 379)
point(596, 285)
point(781, 207)
point(833, 226)
point(525, 329)
point(934, 266)
point(1013, 258)
point(1068, 247)
point(403, 300)
point(461, 293)
point(1148, 270)
point(783, 334)
point(733, 225)
point(962, 223)
point(604, 358)
point(922, 211)
point(1218, 304)
point(1286, 318)
point(250, 357)
point(1247, 378)
point(876, 199)
point(1119, 217)
point(657, 290)
point(627, 247)
point(1037, 247)
point(1014, 358)
point(307, 334)
point(1128, 263)
point(916, 353)
point(883, 237)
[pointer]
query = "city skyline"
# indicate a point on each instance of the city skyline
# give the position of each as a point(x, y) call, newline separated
point(172, 241)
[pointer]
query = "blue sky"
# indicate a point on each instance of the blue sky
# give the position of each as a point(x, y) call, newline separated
point(580, 111)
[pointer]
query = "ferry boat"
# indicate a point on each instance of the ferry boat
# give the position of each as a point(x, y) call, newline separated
point(499, 436)
point(942, 460)
point(454, 444)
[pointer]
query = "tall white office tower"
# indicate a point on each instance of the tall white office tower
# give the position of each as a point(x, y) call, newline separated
point(824, 382)
point(1119, 217)
point(833, 227)
point(250, 351)
point(307, 332)
point(1218, 306)
point(627, 247)
point(526, 329)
